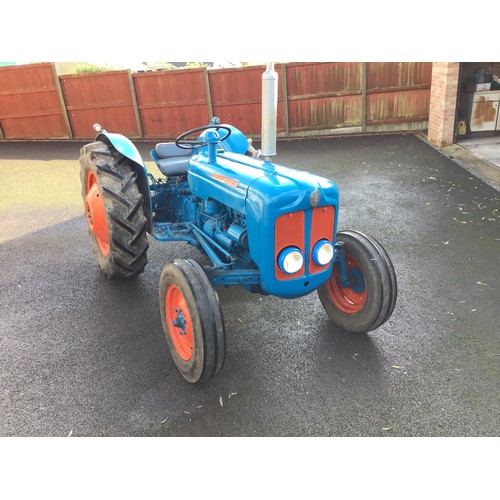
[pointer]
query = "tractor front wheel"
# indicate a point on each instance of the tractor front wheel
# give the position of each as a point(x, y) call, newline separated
point(364, 299)
point(192, 321)
point(114, 211)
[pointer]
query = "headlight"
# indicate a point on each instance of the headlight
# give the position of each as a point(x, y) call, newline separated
point(290, 260)
point(322, 253)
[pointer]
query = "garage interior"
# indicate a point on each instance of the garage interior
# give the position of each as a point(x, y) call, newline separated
point(478, 110)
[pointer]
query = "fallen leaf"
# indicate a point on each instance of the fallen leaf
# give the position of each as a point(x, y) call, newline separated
point(221, 402)
point(481, 283)
point(386, 428)
point(474, 310)
point(395, 366)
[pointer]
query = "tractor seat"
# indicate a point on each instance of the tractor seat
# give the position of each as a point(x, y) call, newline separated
point(170, 159)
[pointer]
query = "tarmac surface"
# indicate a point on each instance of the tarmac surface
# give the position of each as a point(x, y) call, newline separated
point(84, 356)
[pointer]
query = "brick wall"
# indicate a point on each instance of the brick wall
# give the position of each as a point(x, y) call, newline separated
point(443, 102)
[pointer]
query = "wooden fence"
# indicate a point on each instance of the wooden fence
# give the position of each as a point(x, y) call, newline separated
point(314, 99)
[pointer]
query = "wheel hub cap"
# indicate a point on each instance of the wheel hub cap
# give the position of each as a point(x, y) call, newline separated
point(179, 322)
point(349, 296)
point(95, 213)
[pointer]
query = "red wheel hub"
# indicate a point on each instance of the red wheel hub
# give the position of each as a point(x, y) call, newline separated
point(345, 298)
point(179, 322)
point(96, 213)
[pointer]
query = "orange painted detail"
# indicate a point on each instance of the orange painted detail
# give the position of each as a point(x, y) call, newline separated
point(288, 232)
point(182, 336)
point(345, 298)
point(321, 228)
point(226, 180)
point(96, 214)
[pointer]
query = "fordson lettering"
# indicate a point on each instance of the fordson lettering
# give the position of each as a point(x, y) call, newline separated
point(226, 180)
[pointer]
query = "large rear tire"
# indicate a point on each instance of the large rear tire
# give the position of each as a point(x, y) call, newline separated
point(368, 299)
point(192, 321)
point(114, 211)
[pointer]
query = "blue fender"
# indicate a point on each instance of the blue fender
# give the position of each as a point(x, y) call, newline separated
point(125, 147)
point(237, 142)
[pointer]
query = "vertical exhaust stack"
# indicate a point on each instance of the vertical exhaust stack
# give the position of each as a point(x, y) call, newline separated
point(269, 111)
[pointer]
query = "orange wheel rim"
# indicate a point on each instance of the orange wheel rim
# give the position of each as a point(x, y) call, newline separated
point(180, 326)
point(96, 213)
point(347, 299)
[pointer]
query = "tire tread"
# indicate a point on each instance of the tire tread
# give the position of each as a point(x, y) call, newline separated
point(127, 223)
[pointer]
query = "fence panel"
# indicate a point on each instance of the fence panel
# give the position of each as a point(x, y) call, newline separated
point(104, 98)
point(323, 95)
point(326, 97)
point(171, 102)
point(398, 92)
point(237, 97)
point(30, 104)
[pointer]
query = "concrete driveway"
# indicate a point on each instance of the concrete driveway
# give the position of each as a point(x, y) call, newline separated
point(83, 356)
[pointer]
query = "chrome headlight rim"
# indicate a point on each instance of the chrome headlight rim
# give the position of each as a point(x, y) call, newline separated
point(322, 253)
point(291, 260)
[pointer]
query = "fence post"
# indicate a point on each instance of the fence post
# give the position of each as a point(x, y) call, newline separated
point(208, 93)
point(134, 103)
point(284, 94)
point(363, 97)
point(61, 100)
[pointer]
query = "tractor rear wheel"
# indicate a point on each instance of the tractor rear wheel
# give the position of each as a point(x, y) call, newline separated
point(114, 211)
point(192, 321)
point(367, 299)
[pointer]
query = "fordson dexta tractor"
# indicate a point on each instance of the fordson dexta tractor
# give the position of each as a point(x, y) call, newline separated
point(265, 227)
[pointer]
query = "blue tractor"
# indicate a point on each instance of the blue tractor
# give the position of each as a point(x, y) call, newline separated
point(265, 227)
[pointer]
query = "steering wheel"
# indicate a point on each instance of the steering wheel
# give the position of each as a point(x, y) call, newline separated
point(180, 143)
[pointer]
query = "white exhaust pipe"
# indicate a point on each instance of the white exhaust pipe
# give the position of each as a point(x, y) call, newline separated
point(269, 111)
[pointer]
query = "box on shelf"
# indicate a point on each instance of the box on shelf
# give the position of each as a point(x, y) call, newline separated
point(476, 87)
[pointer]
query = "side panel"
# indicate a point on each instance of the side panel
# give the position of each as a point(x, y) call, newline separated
point(226, 181)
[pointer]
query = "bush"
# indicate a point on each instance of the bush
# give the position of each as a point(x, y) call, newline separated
point(89, 68)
